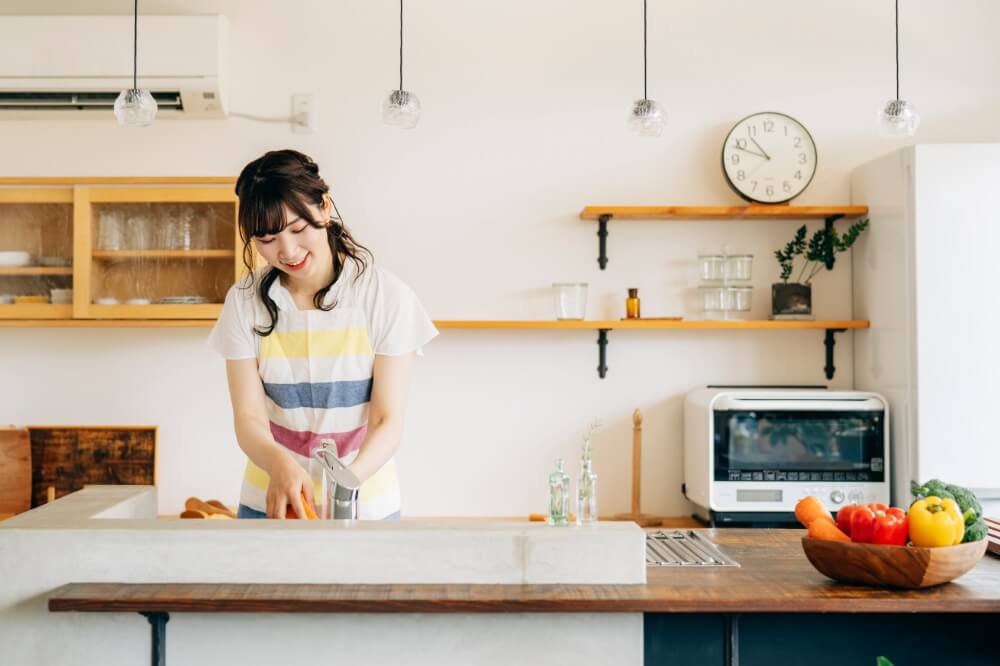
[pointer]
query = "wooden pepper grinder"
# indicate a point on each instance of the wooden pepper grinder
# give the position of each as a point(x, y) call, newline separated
point(636, 516)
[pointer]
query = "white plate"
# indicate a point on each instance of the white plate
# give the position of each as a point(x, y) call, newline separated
point(138, 301)
point(13, 259)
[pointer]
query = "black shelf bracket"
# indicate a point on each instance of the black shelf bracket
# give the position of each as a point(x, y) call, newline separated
point(829, 342)
point(158, 624)
point(602, 352)
point(602, 236)
point(828, 224)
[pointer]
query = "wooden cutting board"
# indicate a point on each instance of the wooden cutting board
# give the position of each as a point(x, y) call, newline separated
point(15, 470)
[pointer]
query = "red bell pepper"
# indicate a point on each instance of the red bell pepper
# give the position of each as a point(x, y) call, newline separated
point(877, 523)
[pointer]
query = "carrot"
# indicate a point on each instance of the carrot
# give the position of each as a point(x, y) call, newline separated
point(310, 514)
point(809, 509)
point(826, 529)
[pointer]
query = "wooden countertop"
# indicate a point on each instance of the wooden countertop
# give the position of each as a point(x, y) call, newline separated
point(774, 577)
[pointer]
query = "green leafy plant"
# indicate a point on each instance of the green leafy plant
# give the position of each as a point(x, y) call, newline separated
point(817, 251)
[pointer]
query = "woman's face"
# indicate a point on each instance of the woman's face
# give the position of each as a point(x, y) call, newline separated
point(300, 250)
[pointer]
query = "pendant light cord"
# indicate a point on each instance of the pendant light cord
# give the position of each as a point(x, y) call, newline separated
point(897, 49)
point(645, 94)
point(400, 45)
point(135, 46)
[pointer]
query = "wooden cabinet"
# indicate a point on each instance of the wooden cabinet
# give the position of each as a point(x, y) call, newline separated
point(129, 250)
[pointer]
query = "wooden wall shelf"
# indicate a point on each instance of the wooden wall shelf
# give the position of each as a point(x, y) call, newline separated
point(604, 214)
point(37, 270)
point(163, 254)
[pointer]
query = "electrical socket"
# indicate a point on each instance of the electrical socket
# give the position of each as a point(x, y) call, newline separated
point(303, 113)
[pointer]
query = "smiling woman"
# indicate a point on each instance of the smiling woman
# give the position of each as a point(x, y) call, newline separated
point(319, 345)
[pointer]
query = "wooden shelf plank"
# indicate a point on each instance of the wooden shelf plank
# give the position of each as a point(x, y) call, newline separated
point(163, 254)
point(37, 270)
point(687, 324)
point(108, 311)
point(721, 212)
point(46, 313)
point(118, 180)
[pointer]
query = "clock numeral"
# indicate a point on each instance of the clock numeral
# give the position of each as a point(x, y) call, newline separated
point(798, 175)
point(770, 190)
point(741, 144)
point(751, 130)
point(786, 186)
point(797, 142)
point(753, 185)
point(769, 126)
point(740, 175)
point(802, 158)
point(734, 158)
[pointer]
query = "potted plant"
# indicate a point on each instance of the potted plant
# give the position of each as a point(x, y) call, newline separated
point(794, 299)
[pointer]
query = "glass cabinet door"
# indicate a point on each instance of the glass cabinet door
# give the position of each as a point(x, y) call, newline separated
point(36, 253)
point(156, 252)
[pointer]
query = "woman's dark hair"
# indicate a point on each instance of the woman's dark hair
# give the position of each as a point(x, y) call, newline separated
point(288, 178)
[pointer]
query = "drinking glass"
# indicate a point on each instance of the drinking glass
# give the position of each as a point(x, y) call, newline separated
point(571, 300)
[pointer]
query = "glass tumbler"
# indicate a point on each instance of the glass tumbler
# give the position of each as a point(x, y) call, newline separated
point(571, 300)
point(713, 299)
point(739, 267)
point(712, 267)
point(110, 234)
point(739, 298)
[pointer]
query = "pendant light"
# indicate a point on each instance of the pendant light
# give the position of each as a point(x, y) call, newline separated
point(401, 107)
point(135, 107)
point(646, 117)
point(897, 118)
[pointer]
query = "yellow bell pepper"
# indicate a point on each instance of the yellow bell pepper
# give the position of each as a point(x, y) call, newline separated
point(936, 522)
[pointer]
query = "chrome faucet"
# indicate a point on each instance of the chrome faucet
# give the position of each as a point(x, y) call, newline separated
point(340, 485)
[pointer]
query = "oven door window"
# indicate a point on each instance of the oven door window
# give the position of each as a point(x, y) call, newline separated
point(799, 446)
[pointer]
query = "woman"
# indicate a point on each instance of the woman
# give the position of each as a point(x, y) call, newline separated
point(318, 344)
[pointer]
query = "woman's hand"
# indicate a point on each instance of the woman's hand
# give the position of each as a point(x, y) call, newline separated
point(289, 483)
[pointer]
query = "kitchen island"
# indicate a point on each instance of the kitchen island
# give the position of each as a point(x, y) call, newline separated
point(773, 609)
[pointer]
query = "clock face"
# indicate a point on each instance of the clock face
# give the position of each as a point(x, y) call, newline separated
point(769, 158)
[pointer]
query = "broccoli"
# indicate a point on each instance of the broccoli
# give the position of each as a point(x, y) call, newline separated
point(967, 501)
point(975, 531)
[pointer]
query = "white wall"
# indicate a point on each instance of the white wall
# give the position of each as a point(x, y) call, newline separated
point(524, 123)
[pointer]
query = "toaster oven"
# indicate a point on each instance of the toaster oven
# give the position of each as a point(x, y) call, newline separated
point(751, 453)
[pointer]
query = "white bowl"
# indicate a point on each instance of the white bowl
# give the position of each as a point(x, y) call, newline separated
point(138, 301)
point(12, 258)
point(107, 300)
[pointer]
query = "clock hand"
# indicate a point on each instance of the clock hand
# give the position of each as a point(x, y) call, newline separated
point(753, 153)
point(766, 156)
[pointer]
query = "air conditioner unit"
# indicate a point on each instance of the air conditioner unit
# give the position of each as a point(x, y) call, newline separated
point(75, 66)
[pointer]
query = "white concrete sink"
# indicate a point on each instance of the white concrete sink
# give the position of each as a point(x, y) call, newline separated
point(110, 533)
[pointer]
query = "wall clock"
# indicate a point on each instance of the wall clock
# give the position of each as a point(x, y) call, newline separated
point(769, 158)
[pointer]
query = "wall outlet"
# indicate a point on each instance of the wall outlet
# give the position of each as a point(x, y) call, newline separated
point(303, 113)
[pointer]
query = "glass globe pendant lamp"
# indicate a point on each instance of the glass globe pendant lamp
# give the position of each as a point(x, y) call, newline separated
point(135, 107)
point(646, 117)
point(401, 108)
point(897, 118)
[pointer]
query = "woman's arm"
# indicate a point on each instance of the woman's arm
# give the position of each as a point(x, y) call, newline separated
point(390, 386)
point(253, 432)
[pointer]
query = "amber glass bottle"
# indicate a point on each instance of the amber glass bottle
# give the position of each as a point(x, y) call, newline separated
point(632, 304)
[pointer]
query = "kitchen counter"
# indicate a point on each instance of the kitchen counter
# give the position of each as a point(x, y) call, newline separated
point(505, 592)
point(111, 534)
point(774, 577)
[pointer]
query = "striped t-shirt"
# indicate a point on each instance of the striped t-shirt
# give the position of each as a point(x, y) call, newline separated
point(316, 370)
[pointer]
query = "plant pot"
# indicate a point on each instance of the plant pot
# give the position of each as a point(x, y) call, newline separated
point(791, 298)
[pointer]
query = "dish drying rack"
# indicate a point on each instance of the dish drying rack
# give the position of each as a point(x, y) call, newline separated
point(684, 548)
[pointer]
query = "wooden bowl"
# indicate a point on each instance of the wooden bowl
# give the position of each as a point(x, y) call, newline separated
point(892, 566)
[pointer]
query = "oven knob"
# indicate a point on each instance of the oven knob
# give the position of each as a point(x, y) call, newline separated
point(856, 497)
point(837, 496)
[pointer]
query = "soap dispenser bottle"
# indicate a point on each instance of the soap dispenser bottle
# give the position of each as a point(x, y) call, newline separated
point(559, 495)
